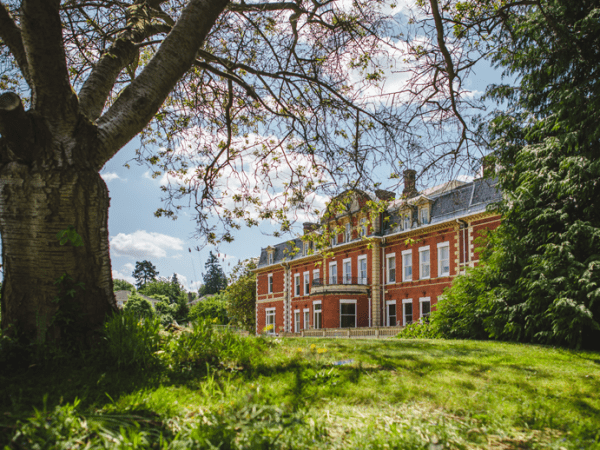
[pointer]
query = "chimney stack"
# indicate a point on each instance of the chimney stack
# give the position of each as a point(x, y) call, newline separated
point(309, 226)
point(385, 195)
point(410, 183)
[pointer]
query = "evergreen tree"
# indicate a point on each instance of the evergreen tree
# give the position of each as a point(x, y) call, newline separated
point(144, 273)
point(241, 295)
point(540, 279)
point(214, 279)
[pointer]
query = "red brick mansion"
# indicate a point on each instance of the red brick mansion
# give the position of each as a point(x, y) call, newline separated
point(387, 271)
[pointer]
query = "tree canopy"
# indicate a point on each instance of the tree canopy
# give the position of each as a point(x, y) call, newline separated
point(241, 295)
point(144, 273)
point(214, 278)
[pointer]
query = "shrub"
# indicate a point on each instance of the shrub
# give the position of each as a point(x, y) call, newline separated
point(131, 340)
point(418, 330)
point(138, 306)
point(214, 307)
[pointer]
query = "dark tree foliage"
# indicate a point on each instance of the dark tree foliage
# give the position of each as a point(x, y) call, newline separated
point(214, 279)
point(144, 273)
point(122, 285)
point(540, 282)
point(172, 292)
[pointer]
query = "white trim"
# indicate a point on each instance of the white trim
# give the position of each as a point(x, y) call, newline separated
point(387, 311)
point(270, 258)
point(349, 302)
point(296, 291)
point(422, 250)
point(306, 283)
point(296, 322)
point(440, 246)
point(421, 301)
point(404, 277)
point(332, 264)
point(362, 279)
point(387, 268)
point(317, 302)
point(404, 302)
point(269, 283)
point(346, 277)
point(268, 312)
point(306, 323)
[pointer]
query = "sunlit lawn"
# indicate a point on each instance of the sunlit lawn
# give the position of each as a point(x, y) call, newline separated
point(430, 394)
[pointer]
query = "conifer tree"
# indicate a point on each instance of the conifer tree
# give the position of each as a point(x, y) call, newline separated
point(214, 279)
point(144, 273)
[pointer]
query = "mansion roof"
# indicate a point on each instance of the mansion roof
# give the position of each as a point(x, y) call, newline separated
point(450, 201)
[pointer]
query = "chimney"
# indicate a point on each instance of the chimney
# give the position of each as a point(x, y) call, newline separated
point(410, 189)
point(385, 195)
point(309, 226)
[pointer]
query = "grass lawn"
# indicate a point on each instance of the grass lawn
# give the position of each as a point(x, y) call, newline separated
point(407, 394)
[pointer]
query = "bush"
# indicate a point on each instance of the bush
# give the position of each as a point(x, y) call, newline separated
point(132, 341)
point(138, 306)
point(214, 308)
point(166, 312)
point(418, 330)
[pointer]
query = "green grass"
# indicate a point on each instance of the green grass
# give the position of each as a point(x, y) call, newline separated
point(257, 393)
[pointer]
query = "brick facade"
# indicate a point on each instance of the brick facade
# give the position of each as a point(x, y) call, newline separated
point(390, 277)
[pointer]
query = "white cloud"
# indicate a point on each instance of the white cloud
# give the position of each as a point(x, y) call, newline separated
point(118, 275)
point(129, 267)
point(110, 176)
point(144, 245)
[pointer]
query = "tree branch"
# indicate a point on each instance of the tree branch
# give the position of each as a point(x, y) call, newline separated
point(11, 36)
point(138, 103)
point(15, 128)
point(42, 40)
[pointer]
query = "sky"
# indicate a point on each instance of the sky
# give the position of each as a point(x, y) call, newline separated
point(135, 234)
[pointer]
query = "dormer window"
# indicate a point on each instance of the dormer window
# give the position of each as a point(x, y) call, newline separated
point(305, 249)
point(362, 230)
point(348, 233)
point(406, 225)
point(424, 216)
point(270, 253)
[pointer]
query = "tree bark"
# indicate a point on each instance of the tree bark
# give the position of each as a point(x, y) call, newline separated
point(34, 206)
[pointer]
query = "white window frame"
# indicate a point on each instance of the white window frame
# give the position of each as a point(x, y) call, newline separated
point(355, 312)
point(317, 302)
point(304, 248)
point(296, 285)
point(406, 222)
point(388, 258)
point(306, 316)
point(270, 283)
point(316, 274)
point(306, 283)
point(440, 246)
point(421, 265)
point(404, 254)
point(347, 275)
point(410, 302)
point(421, 301)
point(268, 314)
point(348, 232)
point(331, 281)
point(296, 321)
point(362, 279)
point(387, 311)
point(362, 230)
point(424, 211)
point(270, 258)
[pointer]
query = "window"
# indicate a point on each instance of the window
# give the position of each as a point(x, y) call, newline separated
point(391, 267)
point(424, 272)
point(333, 273)
point(407, 222)
point(425, 306)
point(391, 313)
point(297, 321)
point(297, 285)
point(362, 231)
point(424, 216)
point(270, 320)
point(316, 278)
point(407, 311)
point(347, 313)
point(348, 233)
point(270, 283)
point(443, 259)
point(347, 267)
point(407, 265)
point(306, 283)
point(305, 249)
point(306, 318)
point(317, 315)
point(270, 258)
point(332, 241)
point(362, 269)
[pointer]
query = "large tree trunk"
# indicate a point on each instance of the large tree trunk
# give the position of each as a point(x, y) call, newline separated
point(34, 206)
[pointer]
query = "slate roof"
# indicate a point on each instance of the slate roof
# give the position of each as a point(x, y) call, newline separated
point(460, 201)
